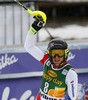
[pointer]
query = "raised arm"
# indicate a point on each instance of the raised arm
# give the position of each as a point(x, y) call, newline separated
point(30, 39)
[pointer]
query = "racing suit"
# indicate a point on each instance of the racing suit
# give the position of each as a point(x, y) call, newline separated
point(56, 80)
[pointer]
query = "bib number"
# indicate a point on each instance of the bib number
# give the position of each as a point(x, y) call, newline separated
point(46, 87)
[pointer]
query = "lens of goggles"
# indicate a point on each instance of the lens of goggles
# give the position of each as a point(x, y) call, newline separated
point(53, 53)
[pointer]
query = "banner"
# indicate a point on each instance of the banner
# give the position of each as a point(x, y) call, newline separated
point(27, 88)
point(19, 89)
point(18, 63)
point(24, 62)
point(78, 58)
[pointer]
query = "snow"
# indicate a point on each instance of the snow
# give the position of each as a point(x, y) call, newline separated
point(72, 31)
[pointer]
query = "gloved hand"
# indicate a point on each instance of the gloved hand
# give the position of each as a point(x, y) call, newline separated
point(37, 25)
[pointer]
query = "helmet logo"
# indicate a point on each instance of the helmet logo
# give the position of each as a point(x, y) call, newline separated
point(52, 44)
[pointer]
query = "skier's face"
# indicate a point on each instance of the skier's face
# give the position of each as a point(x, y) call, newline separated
point(57, 60)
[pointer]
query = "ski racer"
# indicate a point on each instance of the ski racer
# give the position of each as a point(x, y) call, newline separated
point(58, 75)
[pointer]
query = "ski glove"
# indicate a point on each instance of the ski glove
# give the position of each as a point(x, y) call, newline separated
point(37, 25)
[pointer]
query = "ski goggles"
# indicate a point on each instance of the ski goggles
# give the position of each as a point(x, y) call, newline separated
point(55, 52)
point(59, 52)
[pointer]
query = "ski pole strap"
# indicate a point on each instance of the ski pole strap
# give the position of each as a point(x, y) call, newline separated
point(32, 30)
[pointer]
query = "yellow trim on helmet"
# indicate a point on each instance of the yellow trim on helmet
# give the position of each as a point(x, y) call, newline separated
point(66, 52)
point(48, 51)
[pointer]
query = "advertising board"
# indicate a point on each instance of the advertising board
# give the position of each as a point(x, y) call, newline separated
point(15, 64)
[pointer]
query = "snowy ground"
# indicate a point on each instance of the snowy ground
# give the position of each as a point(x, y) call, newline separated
point(68, 32)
